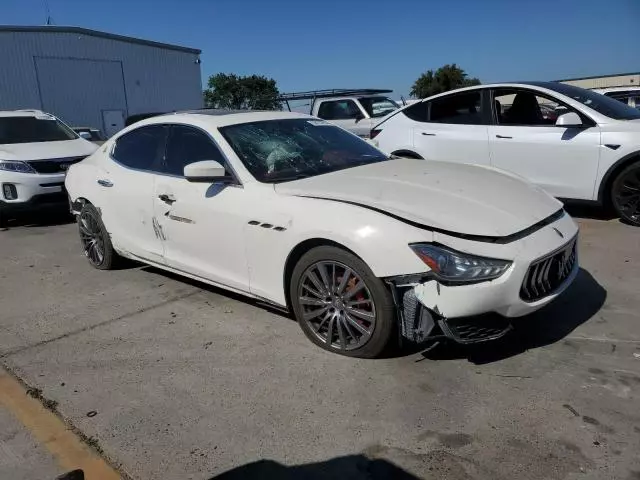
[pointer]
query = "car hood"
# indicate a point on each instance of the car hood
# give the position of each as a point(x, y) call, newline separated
point(46, 150)
point(457, 198)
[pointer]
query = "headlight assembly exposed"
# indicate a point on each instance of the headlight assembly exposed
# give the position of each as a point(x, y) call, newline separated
point(454, 266)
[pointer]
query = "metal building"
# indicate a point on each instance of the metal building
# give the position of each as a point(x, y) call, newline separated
point(94, 79)
point(605, 81)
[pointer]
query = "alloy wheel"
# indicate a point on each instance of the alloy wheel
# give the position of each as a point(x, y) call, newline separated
point(92, 238)
point(627, 195)
point(337, 305)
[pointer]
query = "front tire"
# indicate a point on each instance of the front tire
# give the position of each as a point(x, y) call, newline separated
point(625, 194)
point(340, 304)
point(96, 243)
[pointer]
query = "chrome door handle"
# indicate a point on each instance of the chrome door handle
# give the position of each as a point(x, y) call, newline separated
point(503, 136)
point(428, 134)
point(105, 183)
point(168, 199)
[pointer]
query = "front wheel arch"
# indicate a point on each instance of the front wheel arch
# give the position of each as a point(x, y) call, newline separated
point(604, 191)
point(296, 254)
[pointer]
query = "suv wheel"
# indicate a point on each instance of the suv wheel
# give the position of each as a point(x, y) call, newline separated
point(625, 194)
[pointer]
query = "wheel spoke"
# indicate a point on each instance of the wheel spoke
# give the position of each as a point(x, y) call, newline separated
point(312, 301)
point(314, 292)
point(351, 292)
point(315, 313)
point(364, 301)
point(348, 328)
point(361, 314)
point(343, 282)
point(330, 330)
point(325, 277)
point(343, 341)
point(326, 317)
point(318, 284)
point(355, 324)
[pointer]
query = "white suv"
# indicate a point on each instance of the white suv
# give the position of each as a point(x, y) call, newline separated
point(574, 143)
point(36, 149)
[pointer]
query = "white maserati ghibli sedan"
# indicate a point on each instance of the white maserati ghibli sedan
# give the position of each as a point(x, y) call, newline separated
point(361, 247)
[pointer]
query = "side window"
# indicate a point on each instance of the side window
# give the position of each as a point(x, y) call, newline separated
point(338, 110)
point(461, 108)
point(188, 145)
point(140, 147)
point(526, 108)
point(417, 112)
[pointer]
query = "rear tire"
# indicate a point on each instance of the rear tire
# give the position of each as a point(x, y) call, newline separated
point(625, 194)
point(96, 242)
point(340, 304)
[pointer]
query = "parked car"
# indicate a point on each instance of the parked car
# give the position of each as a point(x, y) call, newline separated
point(591, 151)
point(91, 134)
point(354, 110)
point(36, 149)
point(292, 210)
point(627, 95)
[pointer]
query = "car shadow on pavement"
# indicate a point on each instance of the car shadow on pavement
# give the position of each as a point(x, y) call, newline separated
point(45, 218)
point(580, 302)
point(353, 467)
point(588, 210)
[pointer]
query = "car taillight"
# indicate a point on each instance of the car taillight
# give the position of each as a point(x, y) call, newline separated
point(374, 133)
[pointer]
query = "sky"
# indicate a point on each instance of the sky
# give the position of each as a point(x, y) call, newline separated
point(318, 44)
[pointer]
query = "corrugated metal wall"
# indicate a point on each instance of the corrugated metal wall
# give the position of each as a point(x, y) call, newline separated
point(79, 75)
point(604, 82)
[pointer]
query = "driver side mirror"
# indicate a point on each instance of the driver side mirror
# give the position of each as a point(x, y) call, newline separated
point(571, 119)
point(359, 116)
point(205, 171)
point(85, 135)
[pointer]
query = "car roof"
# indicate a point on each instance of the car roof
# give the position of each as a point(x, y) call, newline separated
point(22, 113)
point(218, 119)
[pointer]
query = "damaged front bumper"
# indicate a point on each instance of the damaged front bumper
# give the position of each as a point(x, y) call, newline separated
point(478, 312)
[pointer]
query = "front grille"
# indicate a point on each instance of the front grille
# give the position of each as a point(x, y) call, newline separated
point(55, 165)
point(475, 329)
point(547, 274)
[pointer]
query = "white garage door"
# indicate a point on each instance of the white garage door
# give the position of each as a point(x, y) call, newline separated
point(79, 90)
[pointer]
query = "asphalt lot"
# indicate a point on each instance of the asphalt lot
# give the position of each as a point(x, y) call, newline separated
point(188, 381)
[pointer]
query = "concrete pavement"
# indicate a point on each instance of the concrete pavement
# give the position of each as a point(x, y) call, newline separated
point(187, 381)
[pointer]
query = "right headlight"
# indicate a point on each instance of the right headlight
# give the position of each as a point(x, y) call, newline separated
point(449, 265)
point(16, 166)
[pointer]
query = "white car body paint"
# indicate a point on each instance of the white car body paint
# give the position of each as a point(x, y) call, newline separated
point(572, 163)
point(240, 236)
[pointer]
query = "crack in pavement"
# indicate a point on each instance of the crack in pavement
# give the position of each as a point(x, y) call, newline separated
point(99, 324)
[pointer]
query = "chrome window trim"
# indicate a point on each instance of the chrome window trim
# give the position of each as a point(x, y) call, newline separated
point(236, 179)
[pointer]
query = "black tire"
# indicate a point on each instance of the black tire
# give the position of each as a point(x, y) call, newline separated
point(375, 301)
point(3, 218)
point(93, 232)
point(625, 194)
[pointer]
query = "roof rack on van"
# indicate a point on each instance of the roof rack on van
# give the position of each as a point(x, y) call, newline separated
point(334, 92)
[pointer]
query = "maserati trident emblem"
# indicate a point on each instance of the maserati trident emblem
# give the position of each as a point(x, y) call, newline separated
point(558, 232)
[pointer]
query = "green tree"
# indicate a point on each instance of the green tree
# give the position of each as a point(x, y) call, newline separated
point(238, 93)
point(447, 77)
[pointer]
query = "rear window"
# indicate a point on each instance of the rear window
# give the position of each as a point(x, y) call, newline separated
point(43, 128)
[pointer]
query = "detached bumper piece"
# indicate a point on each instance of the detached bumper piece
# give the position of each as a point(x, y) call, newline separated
point(418, 323)
point(476, 329)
